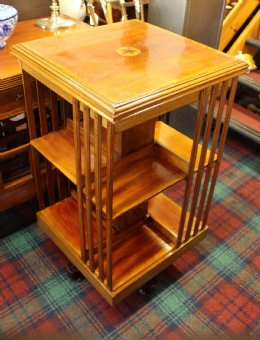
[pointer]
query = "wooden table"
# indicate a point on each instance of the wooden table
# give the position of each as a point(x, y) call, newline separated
point(114, 222)
point(17, 186)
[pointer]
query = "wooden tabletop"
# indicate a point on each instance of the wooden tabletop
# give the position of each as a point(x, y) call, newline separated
point(10, 70)
point(121, 66)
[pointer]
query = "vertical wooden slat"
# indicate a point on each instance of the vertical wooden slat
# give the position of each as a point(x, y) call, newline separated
point(98, 193)
point(62, 186)
point(37, 177)
point(212, 152)
point(203, 154)
point(109, 202)
point(54, 110)
point(42, 107)
point(87, 153)
point(65, 111)
point(28, 95)
point(77, 144)
point(221, 149)
point(41, 89)
point(189, 180)
point(27, 85)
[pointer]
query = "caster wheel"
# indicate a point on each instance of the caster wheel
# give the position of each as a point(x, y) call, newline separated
point(74, 273)
point(148, 288)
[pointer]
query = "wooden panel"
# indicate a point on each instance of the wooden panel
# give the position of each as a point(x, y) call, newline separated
point(16, 192)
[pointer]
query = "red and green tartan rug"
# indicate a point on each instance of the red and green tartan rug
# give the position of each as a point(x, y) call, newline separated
point(210, 292)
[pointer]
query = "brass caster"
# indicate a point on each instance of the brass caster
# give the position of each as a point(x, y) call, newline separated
point(74, 273)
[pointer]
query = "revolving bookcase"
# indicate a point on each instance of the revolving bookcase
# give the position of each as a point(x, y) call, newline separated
point(107, 156)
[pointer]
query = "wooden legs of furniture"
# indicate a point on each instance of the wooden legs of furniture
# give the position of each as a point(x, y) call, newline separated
point(109, 182)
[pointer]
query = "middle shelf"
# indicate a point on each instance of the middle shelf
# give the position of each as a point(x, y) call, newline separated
point(137, 176)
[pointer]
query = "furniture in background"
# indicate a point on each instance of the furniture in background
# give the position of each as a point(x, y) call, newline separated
point(241, 33)
point(106, 209)
point(30, 9)
point(198, 20)
point(16, 183)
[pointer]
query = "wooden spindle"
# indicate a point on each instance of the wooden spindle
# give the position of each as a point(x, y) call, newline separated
point(62, 186)
point(37, 177)
point(42, 107)
point(109, 202)
point(35, 163)
point(77, 144)
point(87, 153)
point(54, 110)
point(44, 130)
point(28, 95)
point(65, 112)
point(189, 180)
point(221, 148)
point(98, 193)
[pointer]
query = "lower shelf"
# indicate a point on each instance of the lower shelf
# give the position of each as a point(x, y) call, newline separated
point(138, 253)
point(168, 217)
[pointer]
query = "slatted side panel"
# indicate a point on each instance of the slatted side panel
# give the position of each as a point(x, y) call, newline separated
point(200, 185)
point(34, 156)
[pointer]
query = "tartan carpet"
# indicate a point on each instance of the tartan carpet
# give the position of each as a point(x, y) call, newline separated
point(210, 292)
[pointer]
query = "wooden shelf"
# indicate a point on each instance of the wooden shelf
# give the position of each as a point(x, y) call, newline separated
point(129, 262)
point(137, 177)
point(61, 220)
point(166, 213)
point(58, 148)
point(178, 145)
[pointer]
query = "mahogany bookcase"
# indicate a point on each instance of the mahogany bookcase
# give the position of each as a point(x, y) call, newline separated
point(108, 158)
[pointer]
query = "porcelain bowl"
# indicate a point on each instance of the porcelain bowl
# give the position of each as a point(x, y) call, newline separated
point(8, 21)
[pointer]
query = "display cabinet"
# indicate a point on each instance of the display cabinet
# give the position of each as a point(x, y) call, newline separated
point(110, 159)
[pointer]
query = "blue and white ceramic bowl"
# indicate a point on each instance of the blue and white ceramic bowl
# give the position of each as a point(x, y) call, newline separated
point(8, 20)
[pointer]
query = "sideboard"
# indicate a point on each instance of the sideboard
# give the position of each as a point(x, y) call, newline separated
point(16, 184)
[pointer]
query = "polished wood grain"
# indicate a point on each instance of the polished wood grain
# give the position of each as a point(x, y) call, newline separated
point(167, 214)
point(129, 191)
point(178, 144)
point(104, 88)
point(123, 101)
point(130, 260)
point(63, 157)
point(63, 217)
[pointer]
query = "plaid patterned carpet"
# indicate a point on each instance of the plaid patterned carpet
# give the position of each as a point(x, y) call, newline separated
point(210, 292)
